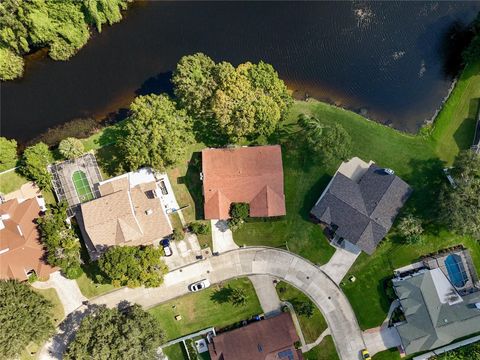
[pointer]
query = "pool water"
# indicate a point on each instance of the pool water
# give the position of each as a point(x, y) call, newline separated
point(456, 271)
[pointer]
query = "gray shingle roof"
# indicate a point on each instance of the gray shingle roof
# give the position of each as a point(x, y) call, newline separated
point(430, 323)
point(365, 211)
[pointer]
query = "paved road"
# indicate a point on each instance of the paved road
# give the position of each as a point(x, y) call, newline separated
point(248, 261)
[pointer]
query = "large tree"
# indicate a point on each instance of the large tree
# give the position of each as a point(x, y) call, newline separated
point(157, 134)
point(34, 164)
point(111, 334)
point(8, 153)
point(243, 102)
point(11, 65)
point(60, 240)
point(472, 52)
point(134, 266)
point(25, 316)
point(460, 205)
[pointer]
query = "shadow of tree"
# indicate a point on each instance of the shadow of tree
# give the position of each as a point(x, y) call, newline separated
point(194, 184)
point(222, 295)
point(207, 132)
point(312, 196)
point(464, 134)
point(158, 84)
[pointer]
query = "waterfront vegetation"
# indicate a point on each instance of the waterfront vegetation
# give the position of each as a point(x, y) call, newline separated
point(61, 26)
point(199, 311)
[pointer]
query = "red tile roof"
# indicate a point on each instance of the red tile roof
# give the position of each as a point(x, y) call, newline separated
point(262, 340)
point(20, 246)
point(248, 174)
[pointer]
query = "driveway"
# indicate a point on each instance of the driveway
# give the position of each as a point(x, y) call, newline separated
point(259, 261)
point(341, 262)
point(381, 338)
point(222, 237)
point(267, 294)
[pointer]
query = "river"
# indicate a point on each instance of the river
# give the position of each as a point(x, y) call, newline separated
point(390, 61)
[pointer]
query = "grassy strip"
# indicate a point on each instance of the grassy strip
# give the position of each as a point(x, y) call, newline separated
point(199, 311)
point(175, 352)
point(312, 327)
point(323, 351)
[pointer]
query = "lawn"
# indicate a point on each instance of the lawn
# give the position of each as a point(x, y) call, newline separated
point(323, 351)
point(199, 311)
point(175, 352)
point(312, 327)
point(11, 181)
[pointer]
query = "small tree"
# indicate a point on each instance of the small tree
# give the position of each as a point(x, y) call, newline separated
point(8, 153)
point(238, 297)
point(134, 266)
point(34, 164)
point(199, 228)
point(131, 333)
point(25, 315)
point(238, 213)
point(410, 229)
point(303, 307)
point(71, 148)
point(61, 242)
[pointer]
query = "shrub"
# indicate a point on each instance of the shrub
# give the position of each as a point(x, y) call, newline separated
point(11, 65)
point(8, 153)
point(410, 229)
point(34, 164)
point(71, 148)
point(199, 228)
point(238, 212)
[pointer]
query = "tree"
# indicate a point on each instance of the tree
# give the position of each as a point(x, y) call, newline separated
point(133, 266)
point(61, 242)
point(11, 65)
point(313, 129)
point(243, 102)
point(238, 297)
point(34, 164)
point(99, 12)
point(111, 334)
point(410, 229)
point(239, 212)
point(303, 307)
point(198, 228)
point(71, 148)
point(460, 206)
point(8, 153)
point(25, 315)
point(156, 134)
point(472, 52)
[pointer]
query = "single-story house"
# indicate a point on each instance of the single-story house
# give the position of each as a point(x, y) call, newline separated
point(269, 339)
point(21, 250)
point(435, 312)
point(129, 212)
point(360, 203)
point(252, 175)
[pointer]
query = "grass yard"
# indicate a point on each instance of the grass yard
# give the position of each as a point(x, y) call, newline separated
point(88, 283)
point(323, 351)
point(175, 352)
point(11, 181)
point(198, 311)
point(312, 327)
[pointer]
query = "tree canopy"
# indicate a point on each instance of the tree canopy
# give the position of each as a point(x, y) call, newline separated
point(243, 102)
point(34, 164)
point(71, 148)
point(111, 334)
point(61, 242)
point(8, 153)
point(157, 134)
point(472, 52)
point(460, 205)
point(133, 266)
point(25, 315)
point(61, 26)
point(410, 228)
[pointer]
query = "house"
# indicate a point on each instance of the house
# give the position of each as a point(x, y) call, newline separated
point(360, 203)
point(252, 175)
point(437, 305)
point(128, 212)
point(269, 339)
point(21, 251)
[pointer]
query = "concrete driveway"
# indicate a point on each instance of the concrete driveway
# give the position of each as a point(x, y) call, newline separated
point(381, 338)
point(222, 237)
point(341, 262)
point(259, 261)
point(267, 294)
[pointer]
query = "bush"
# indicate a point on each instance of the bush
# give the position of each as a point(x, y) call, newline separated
point(34, 164)
point(70, 148)
point(410, 229)
point(238, 212)
point(73, 272)
point(8, 153)
point(178, 234)
point(199, 228)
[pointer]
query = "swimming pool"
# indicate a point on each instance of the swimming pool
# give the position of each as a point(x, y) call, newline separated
point(456, 271)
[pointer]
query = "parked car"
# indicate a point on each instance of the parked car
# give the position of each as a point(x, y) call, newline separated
point(199, 285)
point(389, 171)
point(366, 355)
point(166, 247)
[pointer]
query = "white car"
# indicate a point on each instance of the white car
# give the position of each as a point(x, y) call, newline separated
point(199, 285)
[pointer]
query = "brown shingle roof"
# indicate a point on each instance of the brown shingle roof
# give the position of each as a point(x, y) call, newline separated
point(125, 216)
point(262, 340)
point(22, 239)
point(248, 174)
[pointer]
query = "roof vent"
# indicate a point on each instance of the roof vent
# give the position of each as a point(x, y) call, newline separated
point(260, 348)
point(149, 212)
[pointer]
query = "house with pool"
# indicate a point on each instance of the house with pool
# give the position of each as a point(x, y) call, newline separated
point(440, 300)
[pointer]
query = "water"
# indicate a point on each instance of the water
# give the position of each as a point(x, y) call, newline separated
point(456, 271)
point(391, 61)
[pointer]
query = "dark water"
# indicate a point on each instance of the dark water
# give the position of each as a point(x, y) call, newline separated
point(391, 61)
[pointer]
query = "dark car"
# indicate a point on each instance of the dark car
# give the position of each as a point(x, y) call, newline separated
point(166, 247)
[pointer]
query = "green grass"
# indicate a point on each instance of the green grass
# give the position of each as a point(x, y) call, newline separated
point(175, 352)
point(323, 351)
point(198, 311)
point(11, 181)
point(312, 327)
point(390, 354)
point(88, 283)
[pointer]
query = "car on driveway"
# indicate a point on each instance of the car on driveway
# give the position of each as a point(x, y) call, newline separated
point(166, 247)
point(199, 285)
